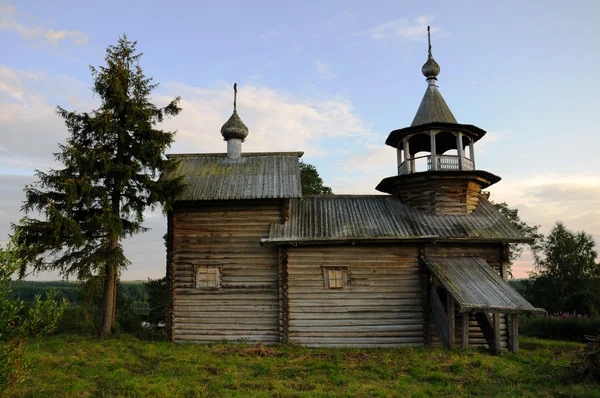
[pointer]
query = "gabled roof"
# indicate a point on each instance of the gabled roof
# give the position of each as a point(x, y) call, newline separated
point(433, 109)
point(214, 176)
point(476, 287)
point(340, 218)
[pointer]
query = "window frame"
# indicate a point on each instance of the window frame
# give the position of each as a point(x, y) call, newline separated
point(218, 271)
point(345, 276)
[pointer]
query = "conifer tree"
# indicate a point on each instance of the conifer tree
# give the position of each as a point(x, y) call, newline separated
point(112, 160)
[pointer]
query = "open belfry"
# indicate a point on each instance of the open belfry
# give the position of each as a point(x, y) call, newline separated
point(251, 259)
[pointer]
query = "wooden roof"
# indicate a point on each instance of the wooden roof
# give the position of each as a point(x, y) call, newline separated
point(353, 218)
point(433, 108)
point(214, 176)
point(476, 286)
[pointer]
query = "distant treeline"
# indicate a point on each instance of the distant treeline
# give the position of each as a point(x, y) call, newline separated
point(131, 293)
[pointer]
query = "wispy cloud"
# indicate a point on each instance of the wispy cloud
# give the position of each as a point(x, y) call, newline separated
point(404, 28)
point(324, 69)
point(277, 121)
point(32, 29)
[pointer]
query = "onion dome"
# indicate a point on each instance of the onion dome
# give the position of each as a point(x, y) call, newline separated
point(234, 127)
point(431, 68)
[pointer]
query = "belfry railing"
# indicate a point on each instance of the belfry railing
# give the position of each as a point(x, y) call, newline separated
point(443, 163)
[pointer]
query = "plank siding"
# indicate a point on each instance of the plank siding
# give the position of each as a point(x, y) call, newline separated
point(246, 306)
point(381, 306)
point(494, 256)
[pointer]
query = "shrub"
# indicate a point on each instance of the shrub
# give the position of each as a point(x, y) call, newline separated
point(561, 326)
point(590, 359)
point(18, 323)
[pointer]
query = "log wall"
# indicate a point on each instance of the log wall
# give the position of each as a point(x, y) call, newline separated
point(382, 305)
point(246, 306)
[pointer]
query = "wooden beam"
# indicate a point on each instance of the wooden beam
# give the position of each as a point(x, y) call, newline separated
point(514, 333)
point(465, 330)
point(451, 321)
point(485, 324)
point(407, 157)
point(460, 151)
point(496, 343)
point(433, 151)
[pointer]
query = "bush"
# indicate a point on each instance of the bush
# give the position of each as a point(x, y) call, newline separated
point(79, 319)
point(570, 327)
point(18, 323)
point(589, 366)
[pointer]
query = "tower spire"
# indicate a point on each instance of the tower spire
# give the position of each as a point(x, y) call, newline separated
point(431, 68)
point(234, 97)
point(234, 131)
point(429, 42)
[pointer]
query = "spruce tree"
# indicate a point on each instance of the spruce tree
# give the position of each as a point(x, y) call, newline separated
point(112, 161)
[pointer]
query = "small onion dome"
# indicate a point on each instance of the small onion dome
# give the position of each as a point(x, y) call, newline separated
point(431, 68)
point(234, 128)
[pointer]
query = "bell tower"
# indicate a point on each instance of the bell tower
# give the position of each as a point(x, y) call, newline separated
point(436, 156)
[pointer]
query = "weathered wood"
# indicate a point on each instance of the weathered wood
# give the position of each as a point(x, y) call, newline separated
point(248, 298)
point(439, 317)
point(465, 330)
point(451, 321)
point(514, 333)
point(496, 342)
point(486, 327)
point(382, 297)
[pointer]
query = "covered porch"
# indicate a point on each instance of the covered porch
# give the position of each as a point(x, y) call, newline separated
point(468, 287)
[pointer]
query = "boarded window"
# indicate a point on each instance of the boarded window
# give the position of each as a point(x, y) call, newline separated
point(335, 277)
point(208, 277)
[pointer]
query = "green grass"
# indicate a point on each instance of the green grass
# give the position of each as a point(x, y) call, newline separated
point(73, 365)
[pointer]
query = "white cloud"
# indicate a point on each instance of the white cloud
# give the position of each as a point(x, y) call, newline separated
point(277, 121)
point(29, 126)
point(324, 69)
point(31, 29)
point(410, 30)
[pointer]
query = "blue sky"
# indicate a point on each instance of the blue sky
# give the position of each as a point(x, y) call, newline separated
point(330, 78)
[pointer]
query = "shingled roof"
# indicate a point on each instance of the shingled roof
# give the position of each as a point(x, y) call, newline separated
point(214, 176)
point(433, 109)
point(340, 218)
point(476, 287)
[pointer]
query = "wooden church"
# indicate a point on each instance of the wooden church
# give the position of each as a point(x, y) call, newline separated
point(251, 259)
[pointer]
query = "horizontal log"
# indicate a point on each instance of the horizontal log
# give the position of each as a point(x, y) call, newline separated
point(357, 322)
point(228, 328)
point(223, 294)
point(349, 303)
point(225, 333)
point(371, 284)
point(357, 289)
point(332, 329)
point(366, 315)
point(359, 309)
point(181, 309)
point(200, 338)
point(255, 291)
point(419, 343)
point(215, 300)
point(359, 340)
point(212, 318)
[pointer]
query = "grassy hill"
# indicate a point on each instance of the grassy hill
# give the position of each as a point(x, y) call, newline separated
point(73, 365)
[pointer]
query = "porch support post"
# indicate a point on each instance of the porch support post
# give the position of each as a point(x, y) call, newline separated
point(399, 154)
point(451, 323)
point(465, 330)
point(407, 159)
point(496, 340)
point(514, 333)
point(433, 151)
point(472, 153)
point(460, 151)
